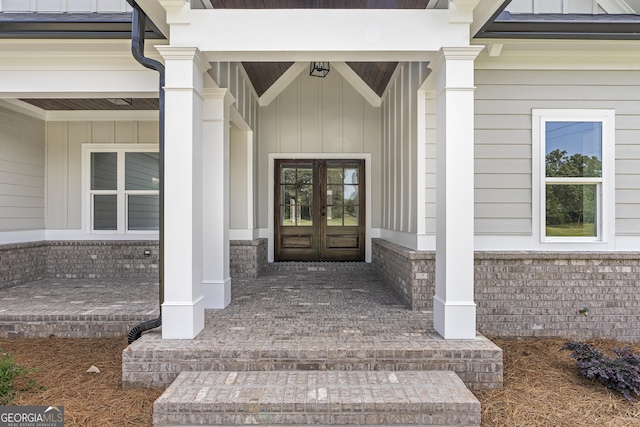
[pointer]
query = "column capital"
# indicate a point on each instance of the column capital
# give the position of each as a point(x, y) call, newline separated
point(181, 53)
point(454, 53)
point(219, 93)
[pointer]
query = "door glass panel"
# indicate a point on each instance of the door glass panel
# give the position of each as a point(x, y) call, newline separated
point(351, 216)
point(334, 216)
point(296, 195)
point(304, 218)
point(351, 194)
point(351, 176)
point(287, 216)
point(288, 194)
point(334, 194)
point(305, 195)
point(288, 175)
point(305, 176)
point(334, 175)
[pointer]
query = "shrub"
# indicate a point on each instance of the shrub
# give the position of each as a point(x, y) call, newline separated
point(620, 373)
point(9, 371)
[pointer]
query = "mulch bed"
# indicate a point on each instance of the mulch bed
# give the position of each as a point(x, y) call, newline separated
point(541, 386)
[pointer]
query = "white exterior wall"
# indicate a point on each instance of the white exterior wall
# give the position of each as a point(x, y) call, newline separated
point(22, 171)
point(64, 162)
point(232, 76)
point(318, 116)
point(503, 144)
point(400, 155)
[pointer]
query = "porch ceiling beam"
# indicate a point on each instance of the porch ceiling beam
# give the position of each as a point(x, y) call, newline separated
point(319, 34)
point(77, 84)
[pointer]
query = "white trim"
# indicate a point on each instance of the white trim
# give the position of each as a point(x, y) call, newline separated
point(322, 156)
point(103, 115)
point(241, 234)
point(408, 240)
point(22, 236)
point(606, 184)
point(281, 84)
point(358, 84)
point(82, 235)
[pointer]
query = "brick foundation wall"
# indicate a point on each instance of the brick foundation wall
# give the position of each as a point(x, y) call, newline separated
point(532, 294)
point(26, 262)
point(248, 258)
point(102, 259)
point(410, 273)
point(22, 262)
point(529, 294)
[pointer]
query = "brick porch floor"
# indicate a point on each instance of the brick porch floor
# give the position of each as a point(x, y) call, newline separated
point(323, 319)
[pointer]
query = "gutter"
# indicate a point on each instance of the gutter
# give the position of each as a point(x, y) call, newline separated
point(138, 21)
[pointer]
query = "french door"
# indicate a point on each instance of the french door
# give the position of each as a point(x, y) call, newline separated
point(319, 210)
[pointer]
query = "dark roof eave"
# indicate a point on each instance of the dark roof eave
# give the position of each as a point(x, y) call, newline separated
point(70, 26)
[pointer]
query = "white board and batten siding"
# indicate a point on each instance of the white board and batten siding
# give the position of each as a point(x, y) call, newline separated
point(231, 75)
point(318, 116)
point(72, 6)
point(22, 172)
point(503, 150)
point(399, 153)
point(64, 162)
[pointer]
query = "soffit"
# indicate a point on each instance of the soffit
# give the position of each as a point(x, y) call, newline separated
point(91, 104)
point(320, 4)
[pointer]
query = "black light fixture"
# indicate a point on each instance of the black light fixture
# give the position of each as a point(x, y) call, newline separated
point(319, 69)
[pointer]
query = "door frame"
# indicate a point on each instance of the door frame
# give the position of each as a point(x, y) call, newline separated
point(320, 156)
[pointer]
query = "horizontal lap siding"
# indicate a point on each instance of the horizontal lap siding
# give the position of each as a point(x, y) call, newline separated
point(504, 100)
point(22, 159)
point(64, 162)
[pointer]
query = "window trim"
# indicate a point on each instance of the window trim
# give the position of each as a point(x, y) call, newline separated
point(605, 184)
point(121, 193)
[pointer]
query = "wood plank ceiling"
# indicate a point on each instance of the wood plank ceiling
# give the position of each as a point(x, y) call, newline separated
point(263, 74)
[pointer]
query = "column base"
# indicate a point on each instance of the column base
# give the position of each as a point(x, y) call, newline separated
point(182, 321)
point(217, 294)
point(454, 321)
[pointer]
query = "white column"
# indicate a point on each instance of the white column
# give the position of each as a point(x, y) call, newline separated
point(454, 310)
point(216, 282)
point(183, 308)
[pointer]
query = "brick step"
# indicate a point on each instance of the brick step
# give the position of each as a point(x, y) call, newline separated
point(152, 361)
point(289, 398)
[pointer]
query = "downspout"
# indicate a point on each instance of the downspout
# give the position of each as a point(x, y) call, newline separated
point(138, 22)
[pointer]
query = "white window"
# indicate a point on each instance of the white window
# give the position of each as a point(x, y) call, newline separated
point(574, 154)
point(121, 188)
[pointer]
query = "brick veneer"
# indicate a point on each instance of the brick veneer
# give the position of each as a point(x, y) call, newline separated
point(98, 259)
point(102, 259)
point(524, 294)
point(411, 274)
point(22, 262)
point(529, 294)
point(248, 258)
